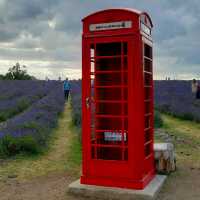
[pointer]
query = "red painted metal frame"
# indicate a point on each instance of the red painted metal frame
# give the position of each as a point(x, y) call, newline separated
point(138, 170)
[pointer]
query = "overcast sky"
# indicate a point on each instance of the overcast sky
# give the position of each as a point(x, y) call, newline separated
point(45, 35)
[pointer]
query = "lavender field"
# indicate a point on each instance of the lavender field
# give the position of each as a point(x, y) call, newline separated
point(29, 111)
point(176, 98)
point(16, 96)
point(173, 97)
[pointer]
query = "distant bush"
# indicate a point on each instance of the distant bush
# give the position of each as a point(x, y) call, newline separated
point(22, 104)
point(10, 146)
point(188, 116)
point(76, 118)
point(185, 116)
point(40, 132)
point(1, 77)
point(158, 122)
point(76, 102)
point(164, 108)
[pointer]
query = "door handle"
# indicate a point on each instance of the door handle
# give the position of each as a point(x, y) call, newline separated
point(87, 101)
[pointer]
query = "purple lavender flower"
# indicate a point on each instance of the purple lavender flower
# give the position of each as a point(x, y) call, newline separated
point(39, 119)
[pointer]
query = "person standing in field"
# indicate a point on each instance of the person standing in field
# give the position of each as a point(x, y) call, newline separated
point(194, 87)
point(66, 87)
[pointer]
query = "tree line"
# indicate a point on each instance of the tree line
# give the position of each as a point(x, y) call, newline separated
point(17, 72)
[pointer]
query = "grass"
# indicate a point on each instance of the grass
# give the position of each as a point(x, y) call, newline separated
point(10, 146)
point(74, 156)
point(64, 154)
point(158, 122)
point(186, 138)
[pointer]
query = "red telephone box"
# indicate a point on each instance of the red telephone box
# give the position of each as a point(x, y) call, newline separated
point(117, 99)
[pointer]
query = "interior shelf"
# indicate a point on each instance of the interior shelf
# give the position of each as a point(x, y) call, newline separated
point(149, 142)
point(148, 114)
point(149, 156)
point(148, 86)
point(105, 57)
point(147, 72)
point(108, 72)
point(110, 86)
point(147, 100)
point(111, 116)
point(146, 129)
point(109, 101)
point(110, 145)
point(148, 58)
point(109, 130)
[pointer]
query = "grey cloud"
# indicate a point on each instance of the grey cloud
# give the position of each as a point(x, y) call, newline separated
point(23, 10)
point(27, 41)
point(7, 35)
point(51, 30)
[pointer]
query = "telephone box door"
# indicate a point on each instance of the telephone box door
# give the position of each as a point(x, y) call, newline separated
point(107, 105)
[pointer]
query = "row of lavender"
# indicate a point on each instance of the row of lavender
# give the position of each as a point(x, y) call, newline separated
point(173, 97)
point(176, 98)
point(30, 129)
point(16, 96)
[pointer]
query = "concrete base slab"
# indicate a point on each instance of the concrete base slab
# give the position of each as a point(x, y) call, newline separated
point(100, 192)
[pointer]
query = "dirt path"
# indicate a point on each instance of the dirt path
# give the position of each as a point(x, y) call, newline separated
point(184, 184)
point(45, 177)
point(52, 187)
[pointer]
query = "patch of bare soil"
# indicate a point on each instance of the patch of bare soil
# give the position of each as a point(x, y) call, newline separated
point(51, 187)
point(183, 185)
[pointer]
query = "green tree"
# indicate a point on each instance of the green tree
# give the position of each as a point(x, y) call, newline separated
point(2, 77)
point(18, 72)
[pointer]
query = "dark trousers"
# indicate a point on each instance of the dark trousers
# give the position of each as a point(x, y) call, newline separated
point(198, 94)
point(66, 94)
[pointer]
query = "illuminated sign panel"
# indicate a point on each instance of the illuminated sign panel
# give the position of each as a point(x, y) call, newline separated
point(110, 26)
